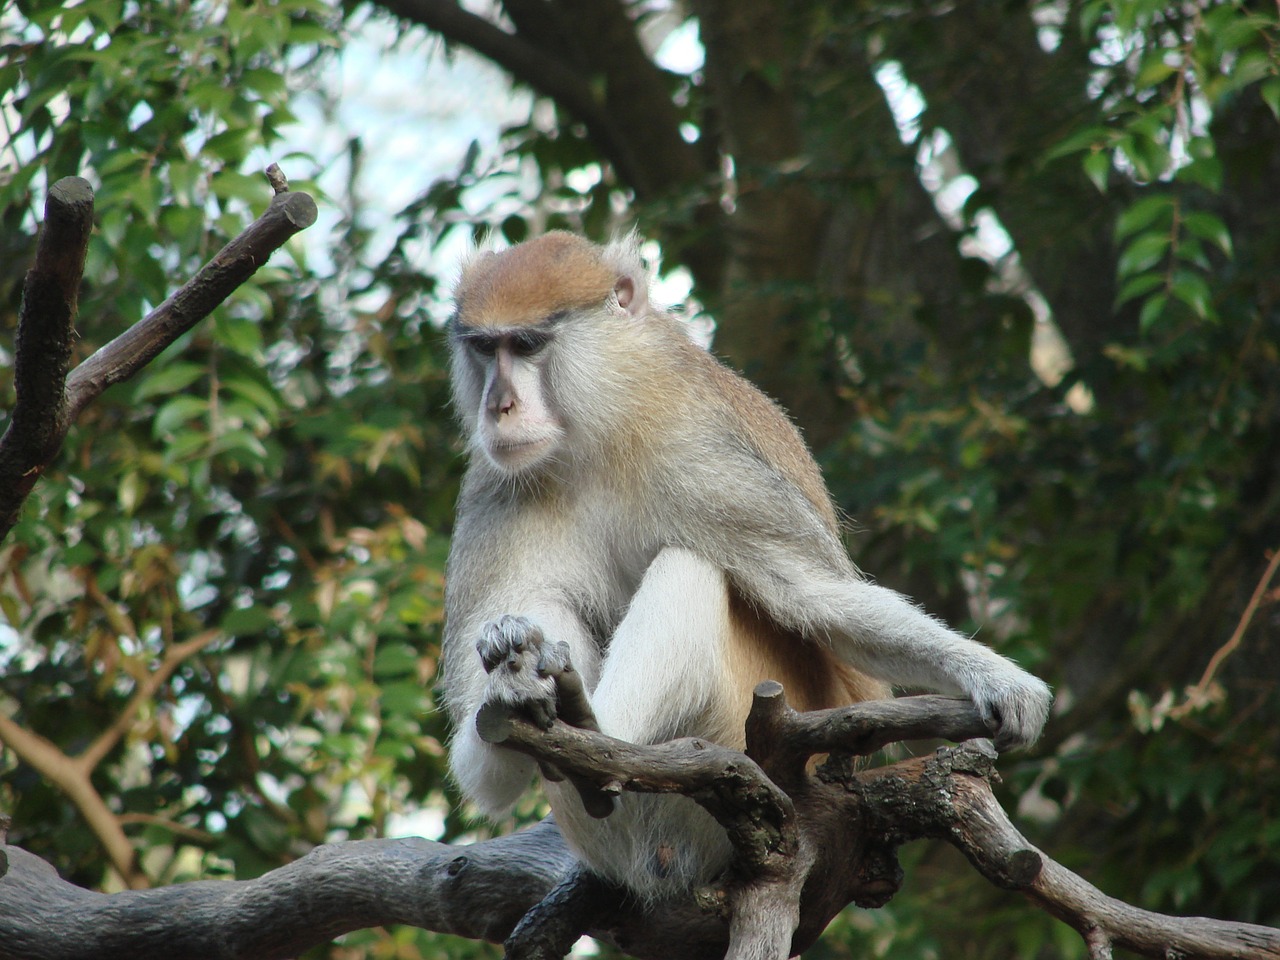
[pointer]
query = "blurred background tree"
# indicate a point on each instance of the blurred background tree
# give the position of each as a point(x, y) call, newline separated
point(1010, 265)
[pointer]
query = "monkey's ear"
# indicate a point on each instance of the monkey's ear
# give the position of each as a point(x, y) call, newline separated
point(633, 296)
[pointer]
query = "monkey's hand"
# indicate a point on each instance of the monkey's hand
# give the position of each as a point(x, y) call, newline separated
point(531, 675)
point(1014, 705)
point(515, 655)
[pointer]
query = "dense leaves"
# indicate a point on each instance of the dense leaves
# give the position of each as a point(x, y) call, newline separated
point(1062, 432)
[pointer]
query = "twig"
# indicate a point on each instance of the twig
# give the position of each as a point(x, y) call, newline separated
point(1198, 694)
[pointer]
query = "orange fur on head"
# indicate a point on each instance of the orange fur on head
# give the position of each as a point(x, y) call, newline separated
point(528, 283)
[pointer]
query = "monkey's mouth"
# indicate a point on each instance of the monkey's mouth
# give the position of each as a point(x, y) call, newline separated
point(515, 446)
point(517, 452)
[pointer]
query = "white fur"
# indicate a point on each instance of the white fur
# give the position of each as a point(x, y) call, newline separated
point(672, 636)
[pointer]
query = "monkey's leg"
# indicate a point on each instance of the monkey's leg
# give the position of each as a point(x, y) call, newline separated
point(666, 662)
point(663, 676)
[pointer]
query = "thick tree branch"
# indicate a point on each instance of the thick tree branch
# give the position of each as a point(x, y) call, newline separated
point(43, 350)
point(45, 408)
point(849, 822)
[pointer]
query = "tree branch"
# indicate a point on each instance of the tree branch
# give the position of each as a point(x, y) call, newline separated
point(43, 350)
point(982, 831)
point(848, 823)
point(69, 777)
point(146, 689)
point(48, 399)
point(235, 263)
point(73, 775)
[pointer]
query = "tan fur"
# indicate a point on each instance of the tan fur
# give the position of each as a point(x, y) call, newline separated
point(528, 283)
point(810, 674)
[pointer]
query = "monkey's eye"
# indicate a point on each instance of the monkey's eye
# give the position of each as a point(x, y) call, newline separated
point(483, 345)
point(529, 344)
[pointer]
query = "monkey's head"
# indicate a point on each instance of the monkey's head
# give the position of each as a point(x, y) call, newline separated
point(535, 342)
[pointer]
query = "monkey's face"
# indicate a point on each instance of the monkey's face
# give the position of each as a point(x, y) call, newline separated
point(501, 379)
point(536, 342)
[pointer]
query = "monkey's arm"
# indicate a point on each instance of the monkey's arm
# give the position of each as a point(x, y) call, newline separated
point(500, 661)
point(777, 550)
point(882, 633)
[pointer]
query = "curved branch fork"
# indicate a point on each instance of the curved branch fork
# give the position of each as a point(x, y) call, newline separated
point(808, 841)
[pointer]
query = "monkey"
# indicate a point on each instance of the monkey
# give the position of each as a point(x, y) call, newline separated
point(634, 508)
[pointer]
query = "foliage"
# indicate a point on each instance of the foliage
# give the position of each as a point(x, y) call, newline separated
point(283, 482)
point(274, 483)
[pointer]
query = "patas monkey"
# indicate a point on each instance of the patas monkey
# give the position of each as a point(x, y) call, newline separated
point(632, 498)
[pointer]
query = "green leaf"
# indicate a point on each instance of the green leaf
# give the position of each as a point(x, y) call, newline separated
point(1097, 167)
point(267, 83)
point(239, 334)
point(1144, 252)
point(1152, 310)
point(230, 145)
point(238, 441)
point(1154, 69)
point(1138, 286)
point(1270, 92)
point(168, 379)
point(177, 412)
point(247, 620)
point(307, 32)
point(1156, 209)
point(1192, 289)
point(258, 395)
point(1150, 158)
point(1205, 171)
point(1090, 138)
point(1208, 226)
point(395, 660)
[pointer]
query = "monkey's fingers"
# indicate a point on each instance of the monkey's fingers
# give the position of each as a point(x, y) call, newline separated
point(574, 706)
point(599, 802)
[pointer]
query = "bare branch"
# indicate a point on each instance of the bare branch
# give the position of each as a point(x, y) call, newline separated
point(174, 657)
point(982, 831)
point(43, 349)
point(194, 300)
point(73, 775)
point(45, 409)
point(1198, 695)
point(69, 777)
point(783, 741)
